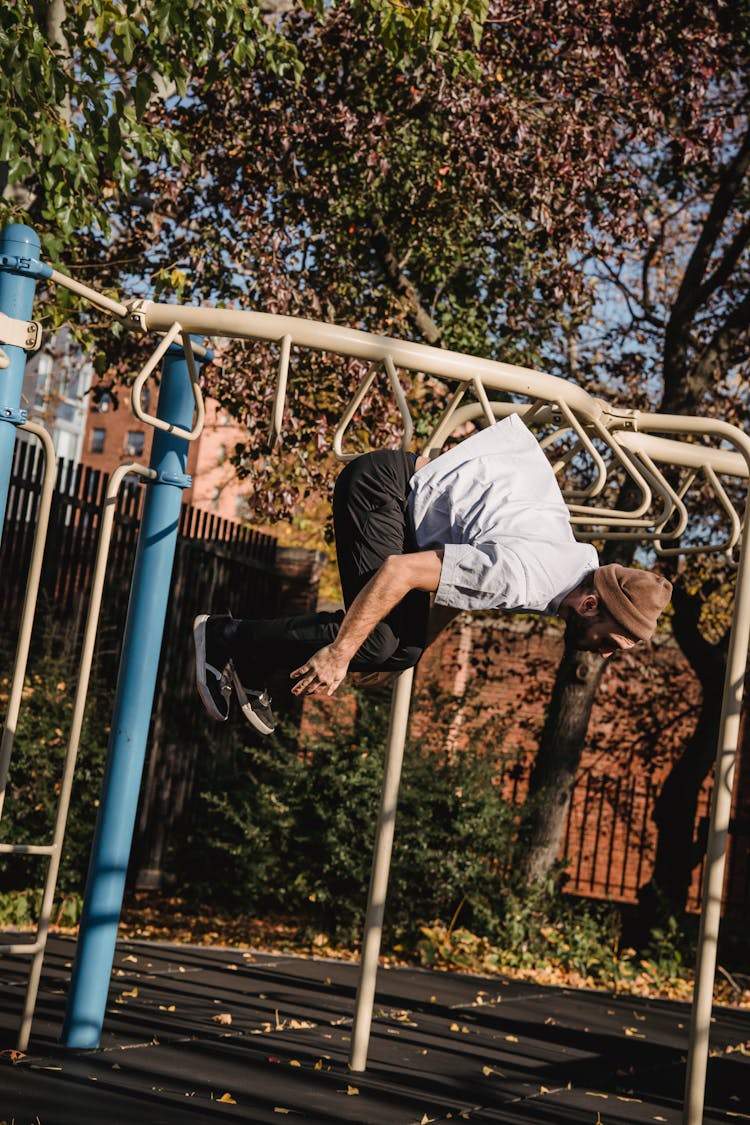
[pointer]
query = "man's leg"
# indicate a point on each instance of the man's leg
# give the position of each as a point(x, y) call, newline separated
point(232, 652)
point(371, 523)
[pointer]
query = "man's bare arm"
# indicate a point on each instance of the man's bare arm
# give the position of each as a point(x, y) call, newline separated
point(399, 574)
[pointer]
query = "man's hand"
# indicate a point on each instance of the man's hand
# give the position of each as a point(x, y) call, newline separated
point(398, 574)
point(322, 673)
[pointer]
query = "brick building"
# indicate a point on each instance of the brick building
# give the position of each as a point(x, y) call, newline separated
point(113, 435)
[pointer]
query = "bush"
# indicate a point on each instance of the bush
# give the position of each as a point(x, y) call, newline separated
point(36, 768)
point(297, 824)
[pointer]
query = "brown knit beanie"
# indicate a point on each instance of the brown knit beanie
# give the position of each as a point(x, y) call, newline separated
point(635, 598)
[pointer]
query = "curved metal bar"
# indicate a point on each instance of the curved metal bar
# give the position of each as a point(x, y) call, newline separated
point(735, 525)
point(29, 601)
point(149, 367)
point(248, 325)
point(672, 499)
point(593, 452)
point(74, 737)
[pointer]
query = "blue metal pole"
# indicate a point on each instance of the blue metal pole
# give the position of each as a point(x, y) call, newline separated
point(18, 244)
point(136, 684)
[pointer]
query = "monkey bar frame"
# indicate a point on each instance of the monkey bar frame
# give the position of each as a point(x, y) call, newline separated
point(648, 450)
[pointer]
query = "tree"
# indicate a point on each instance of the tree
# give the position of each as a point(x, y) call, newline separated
point(473, 190)
point(415, 194)
point(77, 81)
point(678, 343)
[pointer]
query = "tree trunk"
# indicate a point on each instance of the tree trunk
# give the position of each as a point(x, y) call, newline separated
point(557, 761)
point(678, 850)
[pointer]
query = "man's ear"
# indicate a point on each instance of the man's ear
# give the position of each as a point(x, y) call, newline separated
point(589, 606)
point(585, 603)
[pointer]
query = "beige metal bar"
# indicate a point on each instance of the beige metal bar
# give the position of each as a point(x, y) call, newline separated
point(484, 402)
point(397, 729)
point(149, 367)
point(605, 515)
point(593, 452)
point(348, 415)
point(735, 524)
point(638, 529)
point(562, 459)
point(21, 948)
point(79, 705)
point(279, 398)
point(359, 394)
point(248, 325)
point(99, 300)
point(684, 454)
point(713, 879)
point(401, 403)
point(451, 418)
point(27, 849)
point(29, 602)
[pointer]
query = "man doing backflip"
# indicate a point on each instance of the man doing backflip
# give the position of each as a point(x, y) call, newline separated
point(482, 526)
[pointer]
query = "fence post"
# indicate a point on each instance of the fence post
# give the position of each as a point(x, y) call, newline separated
point(134, 697)
point(18, 244)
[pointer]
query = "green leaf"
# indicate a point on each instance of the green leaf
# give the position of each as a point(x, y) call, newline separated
point(144, 88)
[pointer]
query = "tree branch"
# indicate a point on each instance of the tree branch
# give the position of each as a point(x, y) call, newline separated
point(730, 182)
point(716, 352)
point(729, 260)
point(401, 285)
point(693, 289)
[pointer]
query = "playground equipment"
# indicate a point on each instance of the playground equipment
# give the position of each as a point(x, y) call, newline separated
point(665, 458)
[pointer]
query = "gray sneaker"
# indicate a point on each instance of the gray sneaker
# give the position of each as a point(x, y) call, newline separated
point(213, 668)
point(256, 706)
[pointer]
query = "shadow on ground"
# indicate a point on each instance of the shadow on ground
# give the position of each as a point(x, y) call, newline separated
point(194, 1034)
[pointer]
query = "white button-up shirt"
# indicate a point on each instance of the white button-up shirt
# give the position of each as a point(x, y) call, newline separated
point(493, 505)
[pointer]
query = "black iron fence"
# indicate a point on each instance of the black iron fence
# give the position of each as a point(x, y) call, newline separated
point(610, 835)
point(609, 845)
point(218, 565)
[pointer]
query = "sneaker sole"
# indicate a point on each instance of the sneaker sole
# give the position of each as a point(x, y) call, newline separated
point(199, 639)
point(247, 710)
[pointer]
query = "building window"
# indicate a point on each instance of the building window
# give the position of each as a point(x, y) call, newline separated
point(134, 444)
point(97, 440)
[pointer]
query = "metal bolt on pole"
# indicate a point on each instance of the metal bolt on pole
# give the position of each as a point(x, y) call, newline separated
point(17, 243)
point(136, 687)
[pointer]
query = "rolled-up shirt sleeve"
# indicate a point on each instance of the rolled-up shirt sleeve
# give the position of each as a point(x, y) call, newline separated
point(481, 577)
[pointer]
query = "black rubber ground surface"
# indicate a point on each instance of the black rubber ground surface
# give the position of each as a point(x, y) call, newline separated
point(195, 1034)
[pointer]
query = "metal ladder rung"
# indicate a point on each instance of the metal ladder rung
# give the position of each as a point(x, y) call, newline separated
point(28, 849)
point(30, 947)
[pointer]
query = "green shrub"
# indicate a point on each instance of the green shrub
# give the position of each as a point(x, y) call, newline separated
point(293, 831)
point(36, 766)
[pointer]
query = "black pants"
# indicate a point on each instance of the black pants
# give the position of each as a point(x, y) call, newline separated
point(371, 523)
